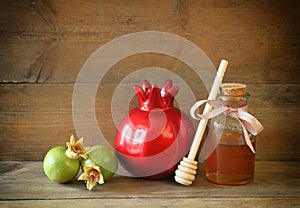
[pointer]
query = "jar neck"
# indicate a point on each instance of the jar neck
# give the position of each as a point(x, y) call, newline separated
point(234, 101)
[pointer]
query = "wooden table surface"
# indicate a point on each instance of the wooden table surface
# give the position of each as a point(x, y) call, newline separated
point(24, 184)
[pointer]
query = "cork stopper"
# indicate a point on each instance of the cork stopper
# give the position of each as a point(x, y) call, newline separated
point(233, 89)
point(233, 94)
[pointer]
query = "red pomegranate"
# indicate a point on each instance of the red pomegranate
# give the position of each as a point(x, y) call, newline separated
point(155, 136)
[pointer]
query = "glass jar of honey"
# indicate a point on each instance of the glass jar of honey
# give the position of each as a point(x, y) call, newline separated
point(232, 161)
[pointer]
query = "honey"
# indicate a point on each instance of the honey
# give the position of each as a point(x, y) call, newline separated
point(232, 162)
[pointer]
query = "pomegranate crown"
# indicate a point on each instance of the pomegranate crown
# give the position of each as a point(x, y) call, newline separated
point(151, 96)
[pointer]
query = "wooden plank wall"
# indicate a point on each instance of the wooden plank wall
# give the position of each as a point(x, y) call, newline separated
point(43, 45)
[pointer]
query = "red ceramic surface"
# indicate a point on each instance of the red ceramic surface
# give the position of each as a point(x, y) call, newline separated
point(154, 137)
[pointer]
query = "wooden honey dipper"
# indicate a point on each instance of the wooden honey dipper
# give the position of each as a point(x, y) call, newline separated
point(187, 169)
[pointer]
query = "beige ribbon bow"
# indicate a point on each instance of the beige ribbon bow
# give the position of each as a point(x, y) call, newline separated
point(247, 121)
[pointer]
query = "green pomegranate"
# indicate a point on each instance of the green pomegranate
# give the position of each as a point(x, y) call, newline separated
point(58, 167)
point(104, 158)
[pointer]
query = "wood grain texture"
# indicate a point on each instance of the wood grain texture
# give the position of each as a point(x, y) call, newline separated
point(260, 39)
point(272, 179)
point(63, 60)
point(154, 202)
point(36, 117)
point(44, 45)
point(276, 184)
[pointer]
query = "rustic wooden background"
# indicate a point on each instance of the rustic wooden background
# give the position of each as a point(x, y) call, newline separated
point(43, 45)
